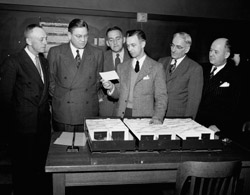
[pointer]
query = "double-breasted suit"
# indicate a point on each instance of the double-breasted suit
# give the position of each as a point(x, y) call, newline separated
point(74, 90)
point(184, 87)
point(150, 93)
point(25, 107)
point(219, 98)
point(107, 104)
point(23, 93)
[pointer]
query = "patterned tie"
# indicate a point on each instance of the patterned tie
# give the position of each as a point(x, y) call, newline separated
point(212, 72)
point(117, 60)
point(137, 67)
point(78, 58)
point(38, 66)
point(172, 66)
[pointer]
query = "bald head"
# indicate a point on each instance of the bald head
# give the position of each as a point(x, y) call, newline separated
point(219, 51)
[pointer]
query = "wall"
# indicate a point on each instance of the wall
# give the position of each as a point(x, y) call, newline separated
point(159, 28)
point(223, 9)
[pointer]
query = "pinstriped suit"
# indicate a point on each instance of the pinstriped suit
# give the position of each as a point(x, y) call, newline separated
point(106, 107)
point(219, 103)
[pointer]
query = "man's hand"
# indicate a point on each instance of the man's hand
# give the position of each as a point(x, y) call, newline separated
point(155, 121)
point(107, 84)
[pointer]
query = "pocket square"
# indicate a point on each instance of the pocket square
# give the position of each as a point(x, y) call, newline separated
point(146, 77)
point(225, 84)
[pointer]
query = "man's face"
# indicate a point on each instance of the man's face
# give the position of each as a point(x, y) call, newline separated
point(135, 46)
point(78, 37)
point(37, 40)
point(115, 40)
point(218, 54)
point(178, 47)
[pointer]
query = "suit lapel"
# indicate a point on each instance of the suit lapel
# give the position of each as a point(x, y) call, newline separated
point(180, 68)
point(126, 67)
point(145, 70)
point(31, 67)
point(109, 64)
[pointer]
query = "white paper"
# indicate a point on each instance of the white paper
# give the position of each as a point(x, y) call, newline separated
point(66, 139)
point(109, 75)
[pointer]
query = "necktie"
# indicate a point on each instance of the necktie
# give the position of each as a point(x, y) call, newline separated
point(117, 60)
point(212, 72)
point(38, 66)
point(78, 58)
point(137, 67)
point(172, 66)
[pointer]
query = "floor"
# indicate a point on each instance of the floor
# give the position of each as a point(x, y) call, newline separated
point(154, 189)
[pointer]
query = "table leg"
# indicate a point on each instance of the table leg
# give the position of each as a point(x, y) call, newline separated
point(58, 184)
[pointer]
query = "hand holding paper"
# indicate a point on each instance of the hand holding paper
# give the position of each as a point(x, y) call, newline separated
point(109, 75)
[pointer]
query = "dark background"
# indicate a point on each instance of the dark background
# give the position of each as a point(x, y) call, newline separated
point(204, 20)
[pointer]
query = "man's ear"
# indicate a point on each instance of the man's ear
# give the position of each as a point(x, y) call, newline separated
point(187, 49)
point(28, 41)
point(227, 54)
point(107, 42)
point(69, 35)
point(124, 40)
point(143, 43)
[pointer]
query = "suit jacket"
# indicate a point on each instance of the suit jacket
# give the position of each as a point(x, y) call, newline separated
point(184, 87)
point(107, 105)
point(74, 90)
point(23, 94)
point(219, 98)
point(150, 93)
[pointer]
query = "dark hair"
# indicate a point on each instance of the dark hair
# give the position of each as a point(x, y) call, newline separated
point(228, 45)
point(29, 28)
point(113, 28)
point(77, 23)
point(139, 33)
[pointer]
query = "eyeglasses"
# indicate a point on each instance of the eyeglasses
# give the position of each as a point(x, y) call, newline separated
point(177, 46)
point(81, 36)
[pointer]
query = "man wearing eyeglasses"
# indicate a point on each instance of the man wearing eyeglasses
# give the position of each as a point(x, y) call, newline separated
point(74, 79)
point(184, 78)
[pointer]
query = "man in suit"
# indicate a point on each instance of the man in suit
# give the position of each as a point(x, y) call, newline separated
point(184, 78)
point(112, 57)
point(221, 90)
point(142, 85)
point(74, 79)
point(24, 97)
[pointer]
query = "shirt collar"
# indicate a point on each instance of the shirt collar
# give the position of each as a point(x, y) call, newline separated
point(140, 61)
point(121, 55)
point(178, 61)
point(73, 49)
point(218, 68)
point(31, 55)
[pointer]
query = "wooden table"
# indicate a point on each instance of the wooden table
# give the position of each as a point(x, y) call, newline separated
point(85, 168)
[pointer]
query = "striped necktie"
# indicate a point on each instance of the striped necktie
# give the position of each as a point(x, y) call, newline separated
point(212, 72)
point(117, 60)
point(78, 58)
point(38, 66)
point(172, 66)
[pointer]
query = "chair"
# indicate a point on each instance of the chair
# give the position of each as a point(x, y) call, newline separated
point(208, 178)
